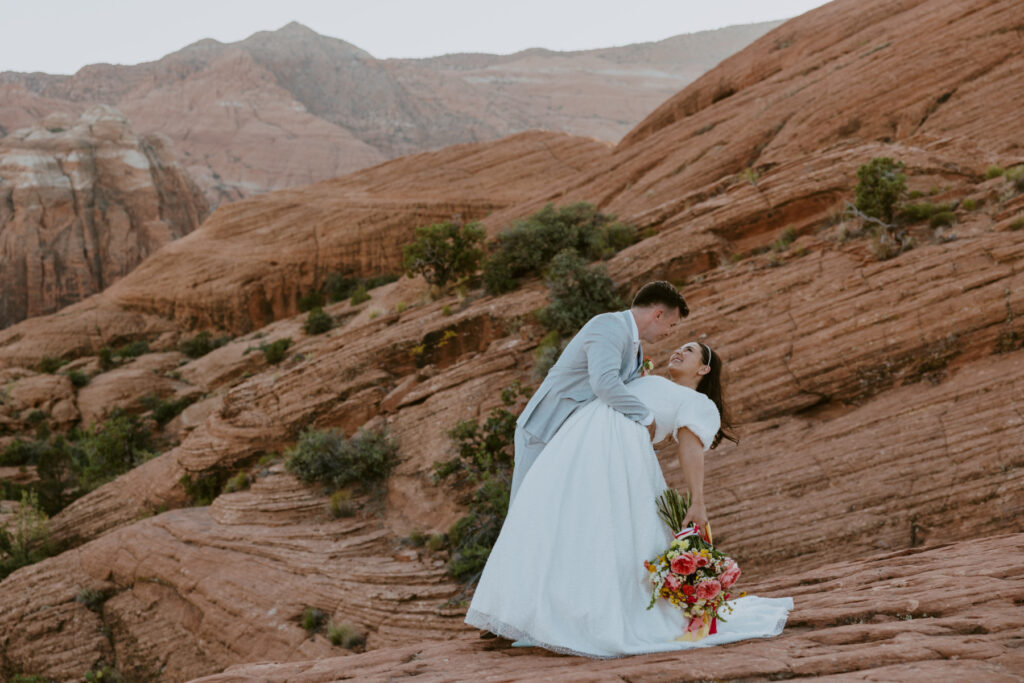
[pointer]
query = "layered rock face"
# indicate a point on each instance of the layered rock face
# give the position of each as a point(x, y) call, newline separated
point(290, 107)
point(82, 202)
point(877, 474)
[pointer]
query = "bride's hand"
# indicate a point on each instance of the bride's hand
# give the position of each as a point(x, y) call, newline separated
point(697, 514)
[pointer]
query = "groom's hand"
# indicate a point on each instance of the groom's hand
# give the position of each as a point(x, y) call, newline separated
point(652, 429)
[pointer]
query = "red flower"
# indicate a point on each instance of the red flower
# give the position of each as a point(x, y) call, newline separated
point(672, 582)
point(689, 590)
point(684, 564)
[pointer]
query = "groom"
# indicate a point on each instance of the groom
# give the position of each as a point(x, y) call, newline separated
point(604, 355)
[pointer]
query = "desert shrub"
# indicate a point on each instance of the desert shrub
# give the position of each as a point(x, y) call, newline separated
point(318, 322)
point(529, 246)
point(275, 352)
point(105, 452)
point(1016, 224)
point(311, 300)
point(436, 542)
point(922, 211)
point(444, 252)
point(482, 471)
point(884, 246)
point(446, 310)
point(133, 349)
point(969, 204)
point(25, 539)
point(338, 287)
point(786, 238)
point(313, 619)
point(239, 482)
point(50, 364)
point(345, 635)
point(92, 599)
point(201, 344)
point(78, 378)
point(165, 410)
point(359, 295)
point(328, 457)
point(942, 219)
point(341, 504)
point(578, 292)
point(106, 358)
point(54, 459)
point(203, 488)
point(881, 183)
point(1015, 176)
point(994, 172)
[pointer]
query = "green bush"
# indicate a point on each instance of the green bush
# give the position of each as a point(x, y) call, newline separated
point(50, 365)
point(942, 219)
point(786, 238)
point(204, 487)
point(202, 344)
point(444, 252)
point(994, 172)
point(578, 292)
point(338, 287)
point(482, 471)
point(341, 504)
point(106, 452)
point(345, 635)
point(313, 619)
point(969, 204)
point(359, 295)
point(54, 459)
point(25, 539)
point(1016, 177)
point(133, 349)
point(78, 378)
point(318, 322)
point(882, 183)
point(529, 246)
point(329, 458)
point(106, 358)
point(165, 410)
point(276, 351)
point(239, 482)
point(310, 301)
point(92, 599)
point(922, 211)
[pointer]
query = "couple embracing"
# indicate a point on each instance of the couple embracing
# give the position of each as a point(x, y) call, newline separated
point(566, 572)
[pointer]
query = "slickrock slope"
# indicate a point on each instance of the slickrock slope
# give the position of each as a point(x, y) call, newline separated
point(876, 400)
point(900, 616)
point(82, 202)
point(290, 107)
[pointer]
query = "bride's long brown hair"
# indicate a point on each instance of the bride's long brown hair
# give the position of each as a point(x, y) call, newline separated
point(711, 386)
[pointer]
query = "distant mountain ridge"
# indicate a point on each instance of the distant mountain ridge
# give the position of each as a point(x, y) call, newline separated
point(289, 107)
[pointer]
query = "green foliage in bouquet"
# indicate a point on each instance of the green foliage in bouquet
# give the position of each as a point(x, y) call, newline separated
point(672, 508)
point(482, 471)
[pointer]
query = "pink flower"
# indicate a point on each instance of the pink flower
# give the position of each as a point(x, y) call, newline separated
point(695, 624)
point(672, 582)
point(703, 561)
point(684, 564)
point(731, 574)
point(706, 590)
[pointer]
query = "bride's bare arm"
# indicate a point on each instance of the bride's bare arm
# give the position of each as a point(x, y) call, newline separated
point(691, 460)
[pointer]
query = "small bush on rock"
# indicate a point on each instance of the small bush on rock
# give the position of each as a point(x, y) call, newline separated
point(275, 352)
point(329, 458)
point(25, 539)
point(345, 635)
point(882, 183)
point(482, 471)
point(529, 246)
point(50, 365)
point(444, 252)
point(578, 292)
point(318, 322)
point(201, 344)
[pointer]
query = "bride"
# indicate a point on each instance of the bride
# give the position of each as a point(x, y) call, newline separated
point(566, 572)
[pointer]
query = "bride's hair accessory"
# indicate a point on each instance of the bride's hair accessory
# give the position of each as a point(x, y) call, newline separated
point(710, 355)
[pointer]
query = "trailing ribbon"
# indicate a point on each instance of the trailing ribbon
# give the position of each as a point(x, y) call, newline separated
point(690, 531)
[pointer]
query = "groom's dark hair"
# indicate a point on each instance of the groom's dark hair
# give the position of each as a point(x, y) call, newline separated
point(661, 292)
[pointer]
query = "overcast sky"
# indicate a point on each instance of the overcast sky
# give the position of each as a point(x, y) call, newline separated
point(61, 36)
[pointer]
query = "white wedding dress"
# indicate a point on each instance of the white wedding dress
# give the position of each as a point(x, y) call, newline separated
point(567, 571)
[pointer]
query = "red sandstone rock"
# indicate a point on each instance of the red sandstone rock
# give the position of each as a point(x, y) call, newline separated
point(82, 202)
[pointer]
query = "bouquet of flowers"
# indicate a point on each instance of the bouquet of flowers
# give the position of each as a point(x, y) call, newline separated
point(691, 574)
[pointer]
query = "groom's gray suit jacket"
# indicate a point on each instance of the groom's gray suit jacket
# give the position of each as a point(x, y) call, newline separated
point(597, 363)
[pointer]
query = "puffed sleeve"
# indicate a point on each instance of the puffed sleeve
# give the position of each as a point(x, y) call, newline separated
point(699, 414)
